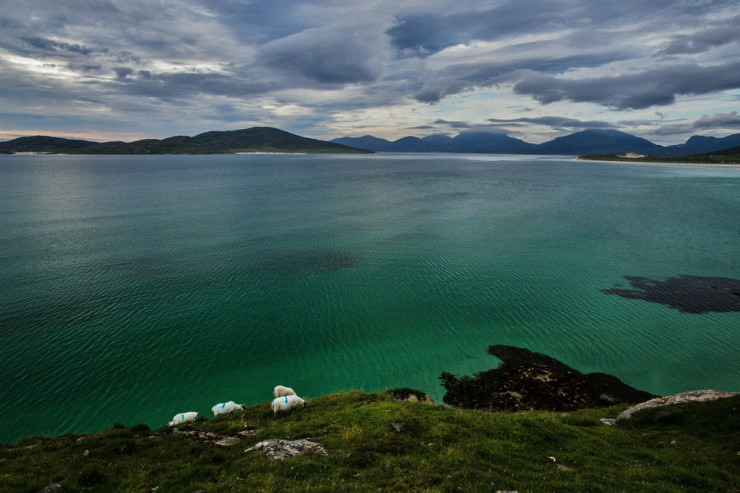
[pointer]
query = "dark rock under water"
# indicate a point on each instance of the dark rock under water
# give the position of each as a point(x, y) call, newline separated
point(685, 293)
point(529, 380)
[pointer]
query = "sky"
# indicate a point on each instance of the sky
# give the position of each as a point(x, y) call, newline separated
point(533, 69)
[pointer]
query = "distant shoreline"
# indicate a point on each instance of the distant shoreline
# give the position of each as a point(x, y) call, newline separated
point(660, 163)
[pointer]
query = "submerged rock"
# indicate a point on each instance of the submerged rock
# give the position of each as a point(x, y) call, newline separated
point(680, 398)
point(687, 294)
point(529, 380)
point(279, 449)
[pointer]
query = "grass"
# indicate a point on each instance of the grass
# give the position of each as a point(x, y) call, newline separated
point(694, 447)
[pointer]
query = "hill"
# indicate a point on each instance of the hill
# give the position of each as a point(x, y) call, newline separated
point(592, 141)
point(699, 144)
point(598, 141)
point(472, 142)
point(376, 442)
point(255, 139)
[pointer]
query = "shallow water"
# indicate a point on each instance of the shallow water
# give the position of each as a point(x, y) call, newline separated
point(134, 288)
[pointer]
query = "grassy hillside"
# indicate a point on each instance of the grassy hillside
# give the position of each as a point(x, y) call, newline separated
point(689, 447)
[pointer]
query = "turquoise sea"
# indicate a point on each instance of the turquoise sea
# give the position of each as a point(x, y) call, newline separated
point(136, 287)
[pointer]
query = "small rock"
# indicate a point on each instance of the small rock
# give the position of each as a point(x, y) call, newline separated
point(608, 421)
point(398, 425)
point(278, 449)
point(552, 458)
point(3, 460)
point(228, 441)
point(52, 488)
point(248, 432)
point(86, 453)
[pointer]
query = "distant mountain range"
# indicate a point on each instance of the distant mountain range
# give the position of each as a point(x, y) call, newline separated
point(585, 142)
point(256, 139)
point(266, 139)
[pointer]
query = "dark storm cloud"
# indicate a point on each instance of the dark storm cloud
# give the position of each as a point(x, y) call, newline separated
point(719, 34)
point(633, 91)
point(342, 54)
point(426, 31)
point(465, 77)
point(431, 31)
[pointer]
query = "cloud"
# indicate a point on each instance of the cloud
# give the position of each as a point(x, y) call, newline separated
point(655, 87)
point(719, 34)
point(123, 72)
point(458, 78)
point(453, 124)
point(181, 85)
point(54, 46)
point(430, 29)
point(335, 66)
point(558, 122)
point(706, 122)
point(719, 120)
point(334, 55)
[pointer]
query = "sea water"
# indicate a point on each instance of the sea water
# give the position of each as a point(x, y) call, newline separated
point(136, 287)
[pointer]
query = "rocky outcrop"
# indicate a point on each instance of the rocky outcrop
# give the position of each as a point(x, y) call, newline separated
point(411, 395)
point(278, 449)
point(681, 398)
point(529, 380)
point(221, 440)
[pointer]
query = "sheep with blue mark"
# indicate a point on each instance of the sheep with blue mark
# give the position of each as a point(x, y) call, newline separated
point(286, 403)
point(280, 391)
point(227, 407)
point(188, 417)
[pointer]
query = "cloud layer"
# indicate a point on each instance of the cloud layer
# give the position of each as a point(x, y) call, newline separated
point(325, 68)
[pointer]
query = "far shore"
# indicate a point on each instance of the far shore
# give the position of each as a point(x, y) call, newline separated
point(662, 163)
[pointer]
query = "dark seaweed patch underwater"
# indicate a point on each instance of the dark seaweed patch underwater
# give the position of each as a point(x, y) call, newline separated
point(685, 293)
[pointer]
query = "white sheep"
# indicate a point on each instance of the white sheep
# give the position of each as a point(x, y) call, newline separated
point(281, 391)
point(227, 407)
point(188, 417)
point(286, 403)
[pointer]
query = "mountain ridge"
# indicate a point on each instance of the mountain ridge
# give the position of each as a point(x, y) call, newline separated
point(590, 141)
